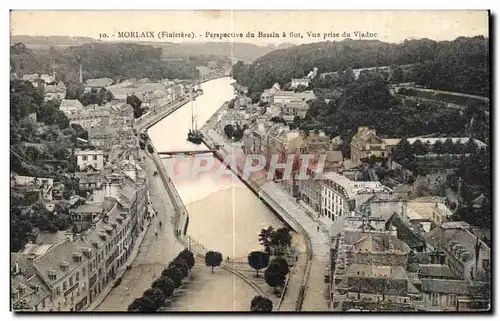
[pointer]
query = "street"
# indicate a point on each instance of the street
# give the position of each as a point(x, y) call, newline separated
point(155, 252)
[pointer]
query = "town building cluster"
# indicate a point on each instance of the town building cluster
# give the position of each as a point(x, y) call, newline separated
point(107, 200)
point(390, 250)
point(67, 270)
point(53, 90)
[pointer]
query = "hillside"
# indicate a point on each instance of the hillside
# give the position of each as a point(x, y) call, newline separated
point(38, 41)
point(239, 51)
point(459, 65)
point(116, 61)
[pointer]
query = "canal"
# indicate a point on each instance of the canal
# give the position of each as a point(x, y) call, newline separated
point(224, 215)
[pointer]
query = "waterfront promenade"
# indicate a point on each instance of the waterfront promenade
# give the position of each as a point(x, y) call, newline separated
point(312, 277)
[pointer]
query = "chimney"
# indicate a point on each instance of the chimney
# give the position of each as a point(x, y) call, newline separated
point(31, 259)
point(442, 258)
point(87, 251)
point(81, 74)
point(77, 257)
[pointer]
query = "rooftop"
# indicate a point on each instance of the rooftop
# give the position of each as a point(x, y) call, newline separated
point(59, 260)
point(89, 208)
point(88, 152)
point(99, 82)
point(445, 286)
point(70, 104)
point(356, 187)
point(435, 271)
point(284, 93)
point(391, 272)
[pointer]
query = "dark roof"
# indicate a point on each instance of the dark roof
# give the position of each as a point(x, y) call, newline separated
point(445, 286)
point(435, 270)
point(405, 233)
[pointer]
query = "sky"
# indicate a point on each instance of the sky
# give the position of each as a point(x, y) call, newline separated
point(305, 26)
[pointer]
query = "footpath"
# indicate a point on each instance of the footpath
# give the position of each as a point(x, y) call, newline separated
point(121, 271)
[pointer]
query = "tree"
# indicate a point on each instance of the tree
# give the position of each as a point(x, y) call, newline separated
point(175, 274)
point(255, 97)
point(349, 76)
point(188, 256)
point(281, 238)
point(229, 131)
point(156, 296)
point(258, 260)
point(283, 265)
point(143, 304)
point(136, 103)
point(261, 304)
point(471, 146)
point(419, 148)
point(265, 238)
point(274, 276)
point(213, 259)
point(181, 264)
point(135, 305)
point(165, 284)
point(448, 146)
point(397, 75)
point(437, 148)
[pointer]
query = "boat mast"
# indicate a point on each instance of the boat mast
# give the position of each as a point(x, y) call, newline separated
point(192, 112)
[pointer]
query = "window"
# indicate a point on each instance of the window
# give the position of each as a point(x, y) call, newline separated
point(94, 157)
point(71, 281)
point(486, 264)
point(84, 158)
point(77, 276)
point(451, 300)
point(65, 286)
point(435, 299)
point(83, 272)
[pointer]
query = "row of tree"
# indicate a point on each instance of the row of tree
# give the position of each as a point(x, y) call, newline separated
point(164, 287)
point(420, 147)
point(275, 241)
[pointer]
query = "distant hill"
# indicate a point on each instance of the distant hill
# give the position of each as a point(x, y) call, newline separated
point(461, 65)
point(36, 41)
point(99, 59)
point(238, 51)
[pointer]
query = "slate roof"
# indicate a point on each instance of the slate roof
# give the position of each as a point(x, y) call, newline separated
point(70, 104)
point(58, 254)
point(89, 208)
point(435, 270)
point(99, 82)
point(94, 236)
point(445, 286)
point(29, 285)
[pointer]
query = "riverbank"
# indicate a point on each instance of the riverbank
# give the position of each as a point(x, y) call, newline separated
point(310, 295)
point(180, 221)
point(152, 119)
